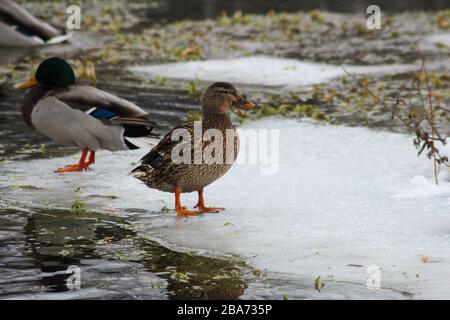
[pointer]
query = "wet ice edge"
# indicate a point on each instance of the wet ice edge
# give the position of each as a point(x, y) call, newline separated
point(344, 199)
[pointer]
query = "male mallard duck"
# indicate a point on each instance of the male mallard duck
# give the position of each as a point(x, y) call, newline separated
point(21, 29)
point(160, 170)
point(81, 116)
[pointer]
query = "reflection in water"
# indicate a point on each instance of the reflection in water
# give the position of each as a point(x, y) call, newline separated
point(53, 265)
point(194, 277)
point(109, 254)
point(56, 240)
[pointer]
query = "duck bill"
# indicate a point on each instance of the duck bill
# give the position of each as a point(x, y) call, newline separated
point(26, 84)
point(245, 104)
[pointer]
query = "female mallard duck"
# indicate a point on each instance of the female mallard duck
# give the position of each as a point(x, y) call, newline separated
point(81, 116)
point(162, 169)
point(21, 29)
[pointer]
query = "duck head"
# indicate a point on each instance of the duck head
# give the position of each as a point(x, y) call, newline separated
point(52, 73)
point(222, 95)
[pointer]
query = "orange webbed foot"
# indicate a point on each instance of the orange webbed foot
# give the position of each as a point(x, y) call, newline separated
point(201, 205)
point(184, 212)
point(70, 168)
point(81, 165)
point(203, 209)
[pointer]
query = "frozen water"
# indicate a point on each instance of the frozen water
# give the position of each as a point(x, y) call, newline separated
point(262, 70)
point(344, 199)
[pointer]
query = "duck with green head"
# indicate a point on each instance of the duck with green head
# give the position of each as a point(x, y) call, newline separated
point(81, 116)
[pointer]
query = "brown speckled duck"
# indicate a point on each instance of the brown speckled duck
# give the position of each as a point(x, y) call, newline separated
point(160, 171)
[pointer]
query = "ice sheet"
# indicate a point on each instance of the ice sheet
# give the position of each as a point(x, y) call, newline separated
point(344, 199)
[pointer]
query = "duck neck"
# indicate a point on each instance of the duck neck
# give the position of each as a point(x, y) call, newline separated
point(31, 97)
point(216, 120)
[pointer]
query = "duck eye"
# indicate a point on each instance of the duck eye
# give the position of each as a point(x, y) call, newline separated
point(223, 91)
point(236, 99)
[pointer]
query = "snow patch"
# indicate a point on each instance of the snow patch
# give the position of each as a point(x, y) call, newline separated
point(261, 70)
point(439, 39)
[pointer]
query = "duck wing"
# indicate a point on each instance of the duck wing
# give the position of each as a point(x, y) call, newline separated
point(85, 98)
point(111, 110)
point(68, 126)
point(164, 147)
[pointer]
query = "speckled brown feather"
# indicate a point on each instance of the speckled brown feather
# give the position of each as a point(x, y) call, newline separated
point(159, 172)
